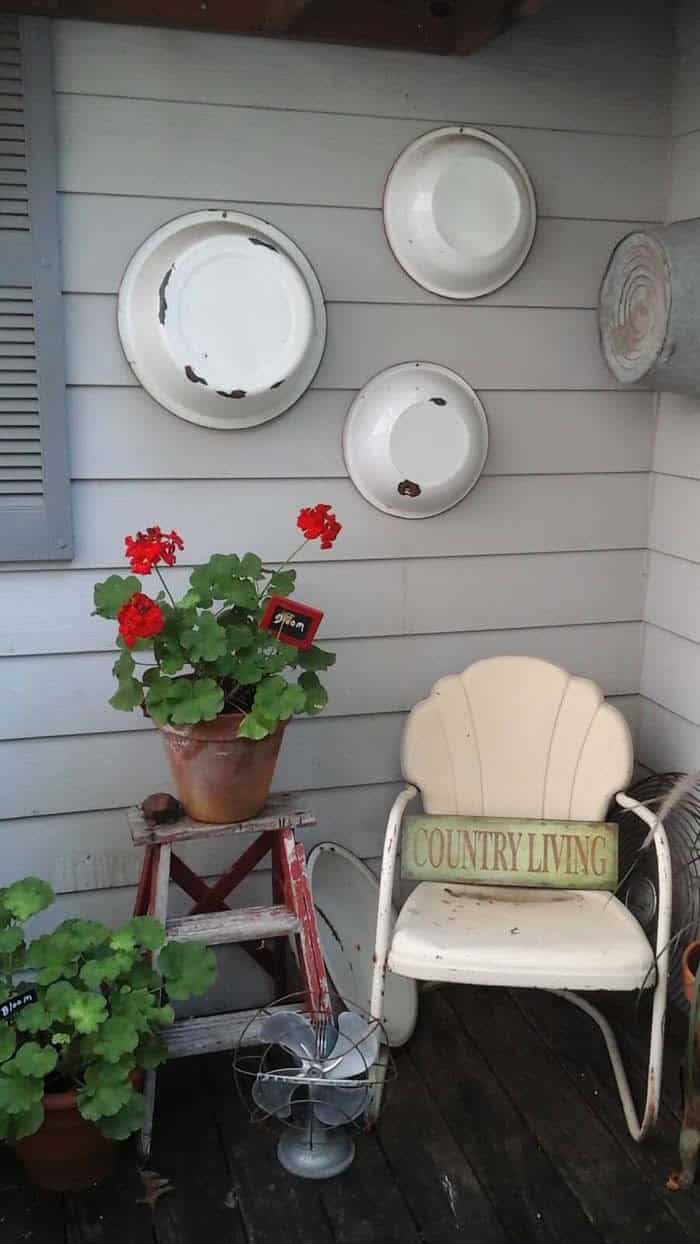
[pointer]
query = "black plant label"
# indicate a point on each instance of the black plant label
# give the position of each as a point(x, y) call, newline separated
point(12, 1005)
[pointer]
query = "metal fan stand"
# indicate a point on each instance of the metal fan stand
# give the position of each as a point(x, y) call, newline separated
point(325, 1091)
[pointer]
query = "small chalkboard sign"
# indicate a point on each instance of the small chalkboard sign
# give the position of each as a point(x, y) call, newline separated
point(11, 1006)
point(290, 621)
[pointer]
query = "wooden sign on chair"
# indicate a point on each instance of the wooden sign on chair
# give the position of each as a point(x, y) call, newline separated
point(565, 855)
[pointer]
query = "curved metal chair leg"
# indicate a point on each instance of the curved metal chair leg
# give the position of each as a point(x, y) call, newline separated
point(638, 1130)
point(374, 1105)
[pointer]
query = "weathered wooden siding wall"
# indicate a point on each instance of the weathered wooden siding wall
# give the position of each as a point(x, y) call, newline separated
point(670, 707)
point(545, 556)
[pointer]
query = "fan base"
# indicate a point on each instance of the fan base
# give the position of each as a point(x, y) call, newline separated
point(317, 1159)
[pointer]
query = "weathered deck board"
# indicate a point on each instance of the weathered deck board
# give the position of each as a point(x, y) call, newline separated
point(622, 1205)
point(583, 1055)
point(503, 1127)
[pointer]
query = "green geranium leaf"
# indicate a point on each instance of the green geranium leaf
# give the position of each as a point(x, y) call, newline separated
point(34, 1018)
point(129, 1119)
point(276, 698)
point(251, 566)
point(142, 931)
point(205, 702)
point(316, 696)
point(205, 641)
point(107, 1089)
point(87, 1011)
point(242, 594)
point(27, 897)
point(249, 671)
point(188, 969)
point(169, 653)
point(282, 582)
point(252, 728)
point(61, 1038)
point(8, 1041)
point(29, 1121)
point(161, 695)
point(10, 940)
point(117, 1036)
point(142, 976)
point(238, 636)
point(106, 968)
point(85, 934)
point(189, 601)
point(114, 592)
point(59, 998)
point(129, 693)
point(17, 1093)
point(138, 1006)
point(34, 1060)
point(215, 580)
point(315, 659)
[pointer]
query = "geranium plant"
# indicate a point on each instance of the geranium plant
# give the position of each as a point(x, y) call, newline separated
point(209, 654)
point(97, 1014)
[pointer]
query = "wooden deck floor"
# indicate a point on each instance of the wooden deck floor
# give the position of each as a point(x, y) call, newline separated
point(503, 1126)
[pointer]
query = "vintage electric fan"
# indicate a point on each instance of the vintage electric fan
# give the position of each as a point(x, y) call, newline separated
point(315, 1076)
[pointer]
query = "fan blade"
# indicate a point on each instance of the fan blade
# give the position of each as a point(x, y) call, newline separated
point(273, 1095)
point(293, 1032)
point(356, 1049)
point(334, 1104)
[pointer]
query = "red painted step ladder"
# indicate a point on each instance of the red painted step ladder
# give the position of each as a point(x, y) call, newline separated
point(211, 921)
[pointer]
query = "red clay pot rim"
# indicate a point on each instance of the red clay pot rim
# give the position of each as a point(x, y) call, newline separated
point(234, 718)
point(69, 1099)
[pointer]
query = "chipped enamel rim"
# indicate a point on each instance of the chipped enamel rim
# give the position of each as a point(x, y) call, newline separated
point(172, 311)
point(346, 902)
point(415, 440)
point(460, 212)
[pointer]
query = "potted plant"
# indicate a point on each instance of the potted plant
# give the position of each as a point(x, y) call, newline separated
point(75, 1038)
point(215, 683)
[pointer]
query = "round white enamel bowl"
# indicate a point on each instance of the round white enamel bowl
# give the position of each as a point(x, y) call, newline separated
point(346, 895)
point(222, 319)
point(459, 212)
point(415, 440)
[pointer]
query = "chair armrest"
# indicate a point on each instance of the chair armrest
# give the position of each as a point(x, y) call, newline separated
point(663, 857)
point(392, 839)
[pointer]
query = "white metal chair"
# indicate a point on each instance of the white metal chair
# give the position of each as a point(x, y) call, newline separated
point(515, 736)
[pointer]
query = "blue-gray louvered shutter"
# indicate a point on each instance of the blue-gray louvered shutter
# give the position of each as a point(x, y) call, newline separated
point(34, 472)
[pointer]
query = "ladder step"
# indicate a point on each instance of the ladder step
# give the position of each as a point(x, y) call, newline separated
point(208, 1033)
point(245, 925)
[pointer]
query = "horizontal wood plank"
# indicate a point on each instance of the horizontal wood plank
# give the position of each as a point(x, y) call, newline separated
point(666, 741)
point(674, 522)
point(537, 433)
point(492, 347)
point(369, 598)
point(673, 595)
point(564, 267)
point(684, 201)
point(247, 924)
point(96, 771)
point(79, 852)
point(125, 146)
point(568, 88)
point(677, 441)
point(379, 675)
point(279, 812)
point(503, 514)
point(671, 672)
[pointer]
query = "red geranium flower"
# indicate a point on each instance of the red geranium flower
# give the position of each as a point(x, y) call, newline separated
point(146, 549)
point(139, 618)
point(317, 522)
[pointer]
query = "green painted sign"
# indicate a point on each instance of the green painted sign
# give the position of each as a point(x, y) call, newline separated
point(567, 855)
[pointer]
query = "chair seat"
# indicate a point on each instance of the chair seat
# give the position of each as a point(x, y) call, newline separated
point(548, 939)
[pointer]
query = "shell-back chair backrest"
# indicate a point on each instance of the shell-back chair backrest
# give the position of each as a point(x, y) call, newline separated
point(516, 736)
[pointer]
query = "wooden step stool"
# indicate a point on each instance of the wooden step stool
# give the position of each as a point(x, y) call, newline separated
point(212, 922)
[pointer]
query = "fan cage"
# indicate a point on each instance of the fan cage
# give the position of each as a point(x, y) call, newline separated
point(638, 884)
point(250, 1060)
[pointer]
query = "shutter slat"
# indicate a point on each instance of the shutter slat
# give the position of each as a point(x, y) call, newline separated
point(13, 445)
point(20, 379)
point(16, 418)
point(25, 489)
point(19, 464)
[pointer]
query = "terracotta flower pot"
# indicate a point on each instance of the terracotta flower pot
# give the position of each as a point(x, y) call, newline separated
point(68, 1152)
point(689, 967)
point(219, 777)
